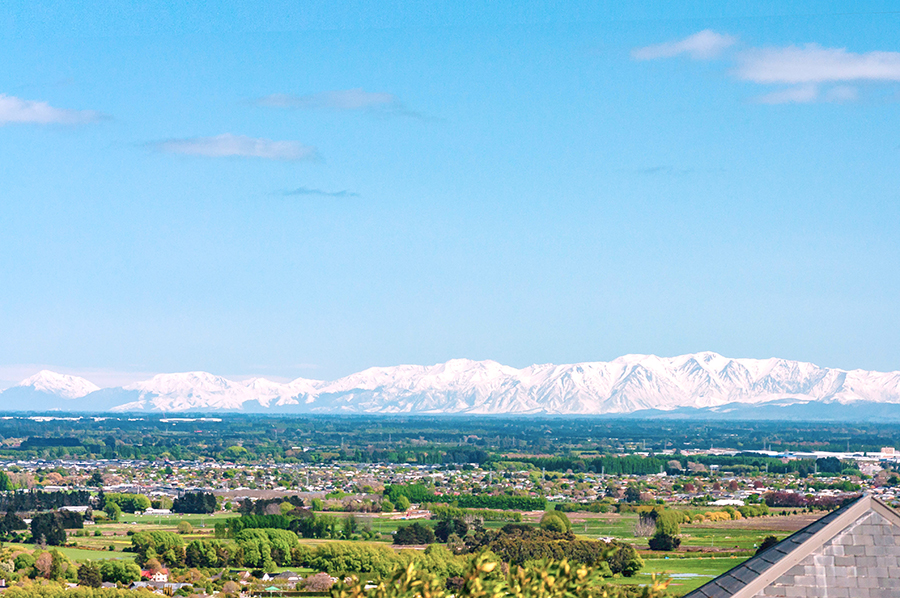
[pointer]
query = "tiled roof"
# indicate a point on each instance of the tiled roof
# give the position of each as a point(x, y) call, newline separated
point(730, 582)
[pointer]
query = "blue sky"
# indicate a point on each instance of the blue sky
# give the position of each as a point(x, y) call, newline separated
point(311, 188)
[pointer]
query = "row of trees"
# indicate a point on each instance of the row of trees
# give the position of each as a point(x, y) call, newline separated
point(443, 511)
point(39, 500)
point(306, 524)
point(128, 503)
point(400, 494)
point(798, 500)
point(518, 544)
point(54, 565)
point(195, 502)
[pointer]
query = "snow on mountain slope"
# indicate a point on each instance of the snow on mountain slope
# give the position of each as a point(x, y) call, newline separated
point(61, 385)
point(624, 385)
point(202, 390)
point(629, 383)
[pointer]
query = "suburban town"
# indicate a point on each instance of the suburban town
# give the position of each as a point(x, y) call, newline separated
point(307, 521)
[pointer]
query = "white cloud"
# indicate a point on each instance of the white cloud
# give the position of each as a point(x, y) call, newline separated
point(347, 99)
point(17, 110)
point(385, 104)
point(228, 145)
point(806, 94)
point(704, 45)
point(320, 192)
point(814, 64)
point(806, 74)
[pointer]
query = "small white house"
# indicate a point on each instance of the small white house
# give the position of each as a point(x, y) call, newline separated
point(75, 509)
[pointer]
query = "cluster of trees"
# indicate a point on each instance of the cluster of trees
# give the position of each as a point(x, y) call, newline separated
point(167, 547)
point(494, 439)
point(798, 500)
point(487, 501)
point(39, 500)
point(233, 525)
point(93, 574)
point(400, 494)
point(441, 511)
point(128, 503)
point(195, 502)
point(749, 461)
point(518, 544)
point(555, 521)
point(40, 442)
point(267, 548)
point(342, 558)
point(448, 527)
point(11, 523)
point(591, 507)
point(54, 565)
point(306, 524)
point(324, 526)
point(49, 565)
point(50, 527)
point(415, 533)
point(421, 456)
point(758, 510)
point(668, 528)
point(611, 465)
point(483, 577)
point(268, 506)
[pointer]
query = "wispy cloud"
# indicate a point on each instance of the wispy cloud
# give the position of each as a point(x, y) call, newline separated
point(805, 94)
point(228, 145)
point(319, 192)
point(378, 103)
point(811, 73)
point(814, 64)
point(704, 45)
point(17, 110)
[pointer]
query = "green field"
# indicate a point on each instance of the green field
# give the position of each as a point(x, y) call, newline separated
point(198, 521)
point(78, 554)
point(730, 545)
point(686, 574)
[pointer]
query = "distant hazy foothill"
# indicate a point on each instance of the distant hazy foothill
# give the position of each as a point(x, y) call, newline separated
point(649, 385)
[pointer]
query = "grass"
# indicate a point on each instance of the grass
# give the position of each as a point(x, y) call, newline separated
point(687, 571)
point(78, 554)
point(724, 537)
point(198, 521)
point(686, 574)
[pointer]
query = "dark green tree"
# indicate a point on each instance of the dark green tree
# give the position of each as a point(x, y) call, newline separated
point(89, 575)
point(416, 533)
point(46, 529)
point(446, 527)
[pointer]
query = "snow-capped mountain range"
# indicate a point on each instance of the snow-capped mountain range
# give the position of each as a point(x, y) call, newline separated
point(631, 383)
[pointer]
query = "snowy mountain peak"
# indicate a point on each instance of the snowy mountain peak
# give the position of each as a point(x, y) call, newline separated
point(61, 385)
point(624, 385)
point(165, 383)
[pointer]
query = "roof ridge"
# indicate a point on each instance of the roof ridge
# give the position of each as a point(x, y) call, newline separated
point(740, 576)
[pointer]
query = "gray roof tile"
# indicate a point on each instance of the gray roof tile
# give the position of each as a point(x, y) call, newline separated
point(731, 581)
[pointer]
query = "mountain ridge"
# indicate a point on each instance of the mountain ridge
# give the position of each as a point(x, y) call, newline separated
point(627, 384)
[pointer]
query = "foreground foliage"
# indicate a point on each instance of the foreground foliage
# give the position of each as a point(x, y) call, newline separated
point(485, 579)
